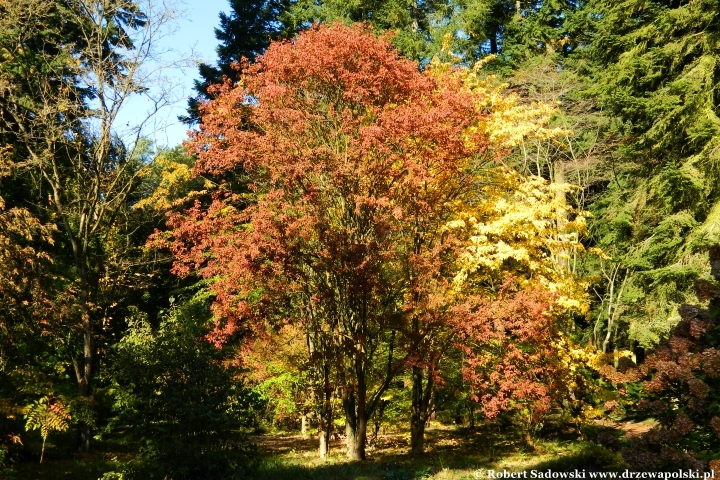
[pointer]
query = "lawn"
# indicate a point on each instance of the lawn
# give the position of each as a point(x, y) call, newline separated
point(452, 453)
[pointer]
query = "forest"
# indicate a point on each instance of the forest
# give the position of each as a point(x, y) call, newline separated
point(439, 239)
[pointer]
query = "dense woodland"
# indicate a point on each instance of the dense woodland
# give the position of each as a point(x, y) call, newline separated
point(493, 224)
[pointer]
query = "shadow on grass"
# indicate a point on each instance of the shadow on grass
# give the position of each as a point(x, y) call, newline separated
point(452, 454)
point(589, 457)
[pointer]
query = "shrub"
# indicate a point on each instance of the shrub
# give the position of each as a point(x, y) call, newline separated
point(177, 396)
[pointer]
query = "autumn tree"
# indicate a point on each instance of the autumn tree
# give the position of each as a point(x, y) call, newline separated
point(501, 208)
point(244, 32)
point(515, 294)
point(515, 285)
point(677, 385)
point(516, 358)
point(68, 68)
point(351, 151)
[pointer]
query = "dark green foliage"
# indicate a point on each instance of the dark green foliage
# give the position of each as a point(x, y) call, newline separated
point(516, 31)
point(413, 24)
point(179, 398)
point(5, 470)
point(660, 73)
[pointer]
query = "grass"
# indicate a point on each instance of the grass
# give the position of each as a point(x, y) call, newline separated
point(452, 453)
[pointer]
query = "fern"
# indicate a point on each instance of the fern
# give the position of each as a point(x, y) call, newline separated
point(46, 415)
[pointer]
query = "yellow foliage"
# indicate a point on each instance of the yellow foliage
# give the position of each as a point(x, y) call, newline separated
point(174, 176)
point(520, 226)
point(597, 360)
point(507, 121)
point(514, 224)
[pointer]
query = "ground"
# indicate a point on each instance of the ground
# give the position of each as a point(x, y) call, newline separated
point(452, 453)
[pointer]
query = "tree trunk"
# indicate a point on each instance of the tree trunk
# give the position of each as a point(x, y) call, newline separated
point(420, 402)
point(324, 443)
point(559, 174)
point(529, 443)
point(304, 425)
point(417, 435)
point(471, 415)
point(378, 420)
point(350, 424)
point(84, 373)
point(360, 417)
point(417, 420)
point(325, 428)
point(419, 410)
point(42, 452)
point(360, 435)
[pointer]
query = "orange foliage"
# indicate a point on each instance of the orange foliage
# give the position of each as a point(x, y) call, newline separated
point(511, 350)
point(351, 151)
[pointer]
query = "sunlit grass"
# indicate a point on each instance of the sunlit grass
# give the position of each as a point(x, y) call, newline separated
point(452, 454)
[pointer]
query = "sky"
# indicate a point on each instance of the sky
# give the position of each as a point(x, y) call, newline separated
point(189, 39)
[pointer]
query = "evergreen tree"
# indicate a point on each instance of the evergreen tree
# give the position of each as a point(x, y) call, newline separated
point(414, 23)
point(245, 32)
point(657, 69)
point(513, 30)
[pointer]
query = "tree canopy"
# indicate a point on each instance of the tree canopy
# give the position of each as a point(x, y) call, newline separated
point(447, 227)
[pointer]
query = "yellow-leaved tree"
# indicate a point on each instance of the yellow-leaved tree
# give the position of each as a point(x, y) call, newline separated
point(515, 286)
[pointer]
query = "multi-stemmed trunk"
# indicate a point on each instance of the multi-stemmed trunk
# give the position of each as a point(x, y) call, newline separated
point(354, 405)
point(356, 434)
point(357, 406)
point(423, 383)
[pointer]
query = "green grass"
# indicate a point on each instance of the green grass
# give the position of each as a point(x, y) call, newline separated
point(452, 454)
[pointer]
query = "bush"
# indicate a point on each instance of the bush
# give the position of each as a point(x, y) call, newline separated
point(176, 395)
point(5, 470)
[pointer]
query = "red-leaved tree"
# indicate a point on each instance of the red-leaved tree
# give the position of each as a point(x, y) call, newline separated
point(353, 155)
point(513, 352)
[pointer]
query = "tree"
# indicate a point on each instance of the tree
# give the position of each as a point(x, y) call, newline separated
point(413, 24)
point(677, 385)
point(179, 396)
point(515, 292)
point(654, 68)
point(492, 197)
point(513, 349)
point(352, 152)
point(514, 31)
point(65, 79)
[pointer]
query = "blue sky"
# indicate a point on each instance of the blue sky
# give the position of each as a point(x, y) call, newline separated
point(191, 37)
